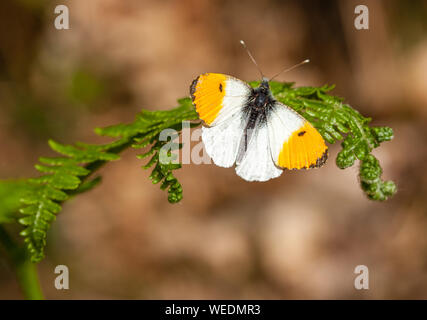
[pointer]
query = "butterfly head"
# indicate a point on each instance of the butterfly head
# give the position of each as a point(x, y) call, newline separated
point(264, 82)
point(264, 87)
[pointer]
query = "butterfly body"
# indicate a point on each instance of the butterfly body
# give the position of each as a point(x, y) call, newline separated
point(248, 127)
point(256, 109)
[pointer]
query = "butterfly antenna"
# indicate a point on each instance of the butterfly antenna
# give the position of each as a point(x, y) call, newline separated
point(252, 58)
point(291, 68)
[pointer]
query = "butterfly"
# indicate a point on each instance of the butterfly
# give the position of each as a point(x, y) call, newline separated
point(248, 127)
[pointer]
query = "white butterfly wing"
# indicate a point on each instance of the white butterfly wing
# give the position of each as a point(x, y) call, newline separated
point(257, 164)
point(222, 141)
point(219, 100)
point(294, 142)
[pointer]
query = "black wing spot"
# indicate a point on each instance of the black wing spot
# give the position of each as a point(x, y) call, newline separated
point(301, 133)
point(220, 87)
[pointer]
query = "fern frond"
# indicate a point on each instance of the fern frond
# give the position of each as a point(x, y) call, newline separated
point(40, 199)
point(61, 177)
point(66, 175)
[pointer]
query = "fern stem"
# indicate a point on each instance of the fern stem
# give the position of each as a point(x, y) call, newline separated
point(25, 270)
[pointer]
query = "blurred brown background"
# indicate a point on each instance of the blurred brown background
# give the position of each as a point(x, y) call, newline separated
point(298, 236)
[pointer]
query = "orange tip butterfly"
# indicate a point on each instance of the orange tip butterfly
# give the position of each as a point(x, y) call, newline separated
point(249, 128)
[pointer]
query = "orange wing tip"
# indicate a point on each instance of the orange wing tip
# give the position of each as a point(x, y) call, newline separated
point(317, 164)
point(207, 93)
point(305, 149)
